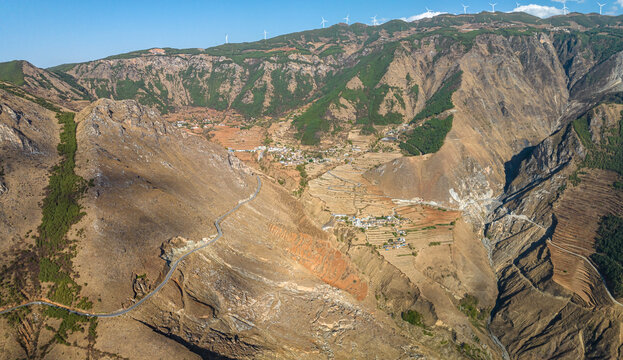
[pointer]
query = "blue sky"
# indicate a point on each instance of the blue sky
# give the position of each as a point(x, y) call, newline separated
point(49, 33)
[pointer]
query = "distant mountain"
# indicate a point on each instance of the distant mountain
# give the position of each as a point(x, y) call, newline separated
point(512, 121)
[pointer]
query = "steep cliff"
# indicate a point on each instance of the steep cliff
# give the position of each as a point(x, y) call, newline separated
point(542, 238)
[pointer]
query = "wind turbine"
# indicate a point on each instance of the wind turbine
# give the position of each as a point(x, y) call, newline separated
point(226, 38)
point(517, 4)
point(565, 9)
point(465, 8)
point(265, 35)
point(600, 7)
point(374, 21)
point(347, 20)
point(323, 22)
point(493, 6)
point(428, 11)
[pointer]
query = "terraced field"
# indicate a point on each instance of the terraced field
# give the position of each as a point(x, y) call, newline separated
point(578, 213)
point(345, 191)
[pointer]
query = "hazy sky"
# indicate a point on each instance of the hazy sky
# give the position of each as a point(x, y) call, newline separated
point(52, 32)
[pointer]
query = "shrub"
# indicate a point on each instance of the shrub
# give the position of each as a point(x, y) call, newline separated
point(442, 99)
point(428, 137)
point(413, 317)
point(609, 252)
point(608, 154)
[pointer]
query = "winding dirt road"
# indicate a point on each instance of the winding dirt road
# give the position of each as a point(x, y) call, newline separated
point(174, 265)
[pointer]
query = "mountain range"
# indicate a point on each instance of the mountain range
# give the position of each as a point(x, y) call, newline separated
point(445, 188)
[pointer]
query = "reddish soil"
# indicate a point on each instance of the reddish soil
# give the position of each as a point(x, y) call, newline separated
point(323, 260)
point(236, 138)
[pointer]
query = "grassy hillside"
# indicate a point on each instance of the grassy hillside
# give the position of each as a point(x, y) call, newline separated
point(12, 72)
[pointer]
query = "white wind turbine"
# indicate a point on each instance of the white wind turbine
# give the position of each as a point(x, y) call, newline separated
point(323, 22)
point(600, 7)
point(493, 6)
point(265, 35)
point(226, 38)
point(565, 9)
point(375, 22)
point(347, 19)
point(465, 8)
point(517, 4)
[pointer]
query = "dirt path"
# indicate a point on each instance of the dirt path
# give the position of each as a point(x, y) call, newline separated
point(174, 265)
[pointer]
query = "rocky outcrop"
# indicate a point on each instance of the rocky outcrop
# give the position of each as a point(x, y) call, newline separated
point(28, 138)
point(540, 239)
point(392, 289)
point(493, 120)
point(272, 286)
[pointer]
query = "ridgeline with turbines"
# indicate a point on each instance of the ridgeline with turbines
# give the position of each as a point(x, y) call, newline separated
point(443, 188)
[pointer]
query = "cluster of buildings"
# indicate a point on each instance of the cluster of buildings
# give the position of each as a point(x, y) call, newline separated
point(395, 243)
point(393, 133)
point(287, 156)
point(193, 125)
point(369, 221)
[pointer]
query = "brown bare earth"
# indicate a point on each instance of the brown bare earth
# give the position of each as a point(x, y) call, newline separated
point(28, 138)
point(578, 214)
point(491, 123)
point(233, 137)
point(323, 260)
point(351, 249)
point(261, 296)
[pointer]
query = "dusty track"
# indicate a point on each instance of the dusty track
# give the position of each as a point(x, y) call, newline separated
point(174, 265)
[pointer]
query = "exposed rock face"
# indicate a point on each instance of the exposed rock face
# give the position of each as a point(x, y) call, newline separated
point(512, 95)
point(55, 86)
point(260, 291)
point(328, 263)
point(275, 285)
point(540, 239)
point(28, 138)
point(389, 284)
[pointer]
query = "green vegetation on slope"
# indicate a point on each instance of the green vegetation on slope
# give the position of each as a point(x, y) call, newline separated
point(60, 211)
point(24, 95)
point(303, 181)
point(428, 137)
point(609, 253)
point(75, 87)
point(607, 155)
point(60, 207)
point(257, 93)
point(283, 99)
point(602, 42)
point(50, 262)
point(129, 89)
point(442, 99)
point(413, 317)
point(12, 72)
point(469, 306)
point(370, 69)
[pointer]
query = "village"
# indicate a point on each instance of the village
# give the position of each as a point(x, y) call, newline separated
point(392, 225)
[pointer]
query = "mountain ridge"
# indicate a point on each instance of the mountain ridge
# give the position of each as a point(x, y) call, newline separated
point(489, 135)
